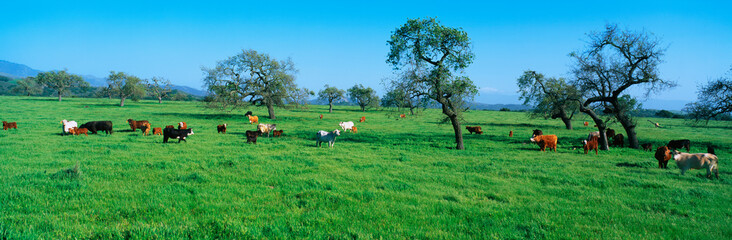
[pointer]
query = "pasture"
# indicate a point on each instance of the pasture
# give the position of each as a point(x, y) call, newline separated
point(394, 179)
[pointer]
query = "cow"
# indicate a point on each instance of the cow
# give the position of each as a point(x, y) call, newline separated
point(618, 140)
point(323, 136)
point(354, 129)
point(590, 145)
point(182, 125)
point(510, 133)
point(78, 131)
point(266, 128)
point(68, 125)
point(157, 131)
point(710, 149)
point(686, 161)
point(346, 125)
point(402, 115)
point(221, 128)
point(593, 134)
point(475, 129)
point(249, 113)
point(610, 133)
point(96, 126)
point(321, 116)
point(145, 129)
point(252, 136)
point(647, 147)
point(677, 144)
point(9, 125)
point(277, 133)
point(134, 125)
point(537, 132)
point(170, 126)
point(663, 154)
point(179, 134)
point(253, 119)
point(363, 119)
point(545, 141)
point(587, 124)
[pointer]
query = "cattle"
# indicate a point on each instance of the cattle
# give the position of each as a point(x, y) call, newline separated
point(686, 161)
point(277, 133)
point(134, 125)
point(678, 144)
point(170, 126)
point(266, 128)
point(182, 125)
point(710, 149)
point(363, 119)
point(402, 115)
point(618, 140)
point(145, 129)
point(252, 136)
point(545, 141)
point(321, 116)
point(537, 132)
point(78, 131)
point(590, 145)
point(323, 136)
point(587, 124)
point(354, 129)
point(96, 126)
point(9, 125)
point(221, 128)
point(68, 125)
point(610, 133)
point(179, 134)
point(475, 129)
point(157, 131)
point(647, 147)
point(249, 113)
point(253, 119)
point(663, 154)
point(510, 133)
point(593, 134)
point(346, 125)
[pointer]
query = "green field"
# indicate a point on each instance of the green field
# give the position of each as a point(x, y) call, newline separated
point(394, 179)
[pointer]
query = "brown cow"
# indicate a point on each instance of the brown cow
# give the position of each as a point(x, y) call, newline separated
point(157, 131)
point(170, 126)
point(145, 129)
point(618, 140)
point(663, 154)
point(277, 133)
point(252, 136)
point(221, 128)
point(545, 141)
point(134, 125)
point(9, 125)
point(321, 116)
point(510, 133)
point(252, 119)
point(363, 119)
point(475, 129)
point(402, 115)
point(647, 147)
point(354, 129)
point(79, 131)
point(587, 124)
point(182, 125)
point(590, 145)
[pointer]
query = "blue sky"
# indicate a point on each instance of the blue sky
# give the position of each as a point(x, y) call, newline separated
point(341, 44)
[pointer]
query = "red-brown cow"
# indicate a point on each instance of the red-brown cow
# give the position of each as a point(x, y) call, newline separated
point(9, 125)
point(475, 129)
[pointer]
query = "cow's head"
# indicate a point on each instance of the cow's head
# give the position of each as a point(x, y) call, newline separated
point(337, 132)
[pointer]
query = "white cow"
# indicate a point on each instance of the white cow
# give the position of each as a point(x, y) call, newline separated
point(68, 125)
point(686, 161)
point(323, 136)
point(346, 126)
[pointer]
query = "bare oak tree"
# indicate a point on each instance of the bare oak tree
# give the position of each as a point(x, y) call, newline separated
point(159, 88)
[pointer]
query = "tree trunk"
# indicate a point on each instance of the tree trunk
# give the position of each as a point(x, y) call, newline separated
point(122, 102)
point(270, 108)
point(458, 132)
point(602, 144)
point(629, 130)
point(411, 110)
point(330, 109)
point(363, 108)
point(160, 99)
point(59, 96)
point(567, 122)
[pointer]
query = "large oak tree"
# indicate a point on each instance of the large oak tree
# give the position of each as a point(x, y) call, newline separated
point(125, 86)
point(363, 96)
point(60, 81)
point(549, 97)
point(332, 95)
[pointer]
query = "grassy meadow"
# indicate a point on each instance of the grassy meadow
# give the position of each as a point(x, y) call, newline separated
point(394, 179)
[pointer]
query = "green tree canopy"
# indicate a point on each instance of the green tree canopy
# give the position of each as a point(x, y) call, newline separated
point(27, 86)
point(332, 95)
point(363, 96)
point(159, 88)
point(549, 97)
point(60, 81)
point(125, 86)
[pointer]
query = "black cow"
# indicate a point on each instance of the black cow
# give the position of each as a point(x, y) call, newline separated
point(249, 113)
point(179, 134)
point(95, 126)
point(252, 136)
point(710, 149)
point(537, 132)
point(677, 144)
point(618, 140)
point(610, 133)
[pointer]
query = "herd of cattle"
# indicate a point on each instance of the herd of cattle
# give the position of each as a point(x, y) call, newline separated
point(684, 161)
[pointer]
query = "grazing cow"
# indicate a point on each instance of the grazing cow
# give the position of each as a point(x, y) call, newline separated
point(221, 128)
point(537, 132)
point(346, 125)
point(170, 126)
point(686, 161)
point(510, 133)
point(321, 116)
point(182, 125)
point(9, 125)
point(587, 124)
point(647, 147)
point(253, 119)
point(96, 126)
point(179, 134)
point(323, 136)
point(363, 119)
point(68, 125)
point(157, 131)
point(610, 133)
point(663, 154)
point(134, 125)
point(277, 133)
point(145, 129)
point(249, 113)
point(475, 129)
point(710, 149)
point(354, 129)
point(545, 141)
point(590, 145)
point(252, 136)
point(266, 128)
point(78, 131)
point(402, 115)
point(618, 140)
point(677, 144)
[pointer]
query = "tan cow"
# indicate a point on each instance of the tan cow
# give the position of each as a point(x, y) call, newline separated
point(686, 161)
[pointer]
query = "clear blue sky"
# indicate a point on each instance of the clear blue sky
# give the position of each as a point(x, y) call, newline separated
point(342, 43)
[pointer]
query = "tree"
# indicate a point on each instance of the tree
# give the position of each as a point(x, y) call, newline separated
point(180, 96)
point(550, 98)
point(253, 78)
point(300, 97)
point(159, 88)
point(714, 99)
point(60, 81)
point(28, 86)
point(331, 94)
point(401, 94)
point(125, 86)
point(433, 55)
point(363, 96)
point(614, 61)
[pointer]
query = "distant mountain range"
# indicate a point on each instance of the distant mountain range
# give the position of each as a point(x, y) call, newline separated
point(16, 70)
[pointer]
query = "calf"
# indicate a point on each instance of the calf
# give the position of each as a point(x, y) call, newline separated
point(179, 134)
point(545, 141)
point(346, 125)
point(68, 125)
point(663, 154)
point(321, 116)
point(221, 128)
point(677, 144)
point(354, 129)
point(252, 136)
point(157, 131)
point(277, 133)
point(647, 147)
point(96, 126)
point(182, 125)
point(134, 125)
point(145, 128)
point(323, 136)
point(402, 115)
point(79, 131)
point(363, 119)
point(590, 145)
point(475, 129)
point(510, 133)
point(686, 161)
point(587, 124)
point(266, 128)
point(9, 125)
point(253, 119)
point(618, 140)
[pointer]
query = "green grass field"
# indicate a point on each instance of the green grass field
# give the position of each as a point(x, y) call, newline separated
point(394, 179)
